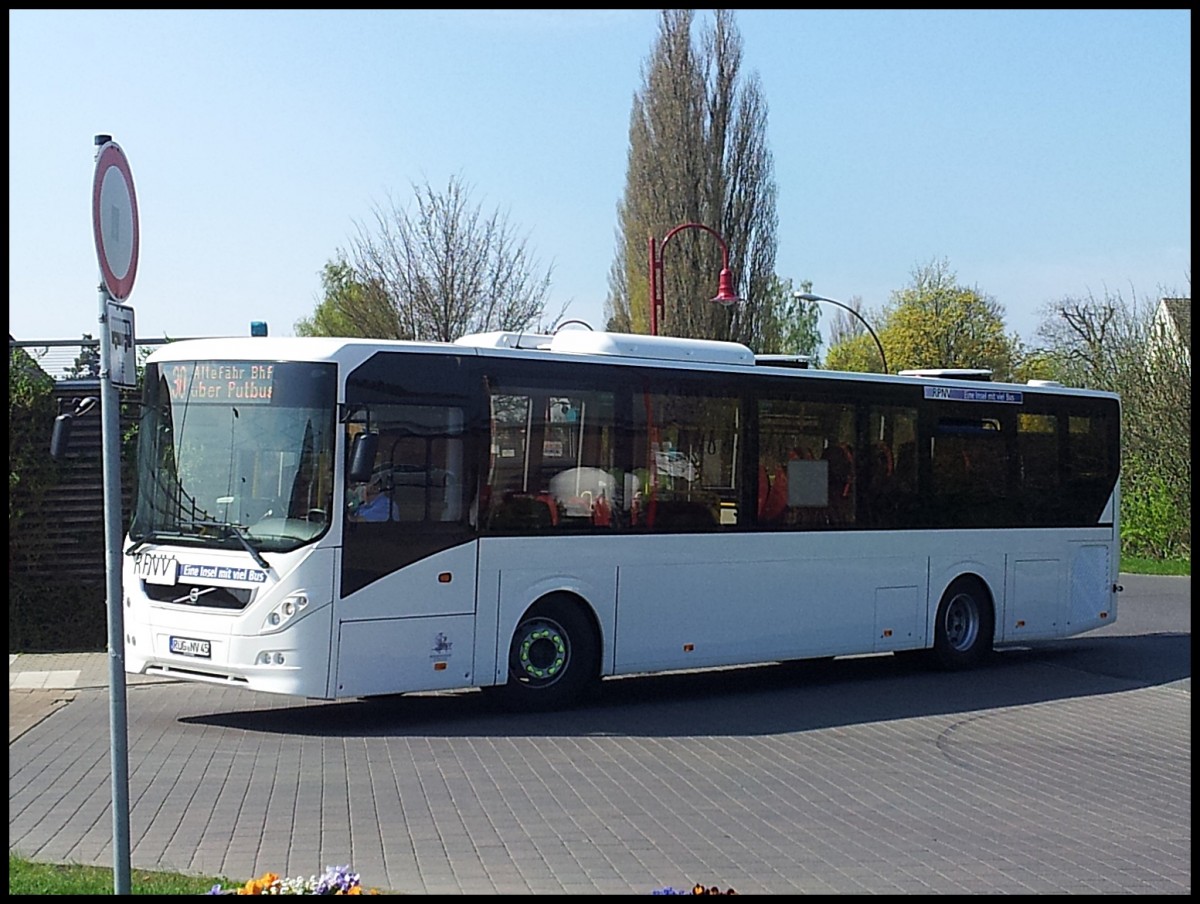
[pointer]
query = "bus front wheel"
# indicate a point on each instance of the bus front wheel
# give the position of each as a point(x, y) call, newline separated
point(965, 625)
point(553, 658)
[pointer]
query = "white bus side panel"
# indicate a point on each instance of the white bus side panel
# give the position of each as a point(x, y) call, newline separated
point(515, 573)
point(709, 601)
point(671, 602)
point(387, 655)
point(1050, 586)
point(1036, 598)
point(412, 630)
point(1092, 601)
point(441, 584)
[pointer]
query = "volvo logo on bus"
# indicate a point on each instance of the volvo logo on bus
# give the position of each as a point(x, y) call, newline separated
point(193, 595)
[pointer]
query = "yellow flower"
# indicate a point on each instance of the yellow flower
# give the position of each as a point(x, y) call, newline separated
point(259, 886)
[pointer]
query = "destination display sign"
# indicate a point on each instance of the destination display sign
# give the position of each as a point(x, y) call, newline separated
point(959, 394)
point(166, 569)
point(244, 382)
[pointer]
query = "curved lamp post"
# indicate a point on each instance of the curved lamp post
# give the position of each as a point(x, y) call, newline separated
point(808, 296)
point(725, 294)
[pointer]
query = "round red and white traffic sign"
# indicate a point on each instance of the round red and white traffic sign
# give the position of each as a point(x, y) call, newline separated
point(115, 220)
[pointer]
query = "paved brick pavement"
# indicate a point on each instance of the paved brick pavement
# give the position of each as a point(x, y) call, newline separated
point(1060, 769)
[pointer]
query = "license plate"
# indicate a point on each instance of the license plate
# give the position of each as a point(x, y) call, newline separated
point(186, 646)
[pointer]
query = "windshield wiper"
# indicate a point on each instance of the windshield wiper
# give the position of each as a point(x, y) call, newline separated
point(239, 532)
point(152, 536)
point(244, 539)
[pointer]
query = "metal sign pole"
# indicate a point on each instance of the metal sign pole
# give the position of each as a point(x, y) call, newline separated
point(110, 414)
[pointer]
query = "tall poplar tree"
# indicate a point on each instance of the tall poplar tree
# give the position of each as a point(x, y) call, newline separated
point(698, 154)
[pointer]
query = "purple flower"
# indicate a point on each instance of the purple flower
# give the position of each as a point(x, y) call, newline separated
point(336, 878)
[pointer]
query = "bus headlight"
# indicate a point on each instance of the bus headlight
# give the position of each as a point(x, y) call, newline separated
point(291, 605)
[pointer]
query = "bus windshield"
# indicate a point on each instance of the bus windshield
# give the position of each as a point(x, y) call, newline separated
point(235, 454)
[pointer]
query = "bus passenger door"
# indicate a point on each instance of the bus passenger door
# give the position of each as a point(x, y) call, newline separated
point(406, 607)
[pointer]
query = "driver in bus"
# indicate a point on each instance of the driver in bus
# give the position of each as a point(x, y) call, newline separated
point(376, 505)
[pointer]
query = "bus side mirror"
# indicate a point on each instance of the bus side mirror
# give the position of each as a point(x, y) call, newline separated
point(362, 457)
point(61, 437)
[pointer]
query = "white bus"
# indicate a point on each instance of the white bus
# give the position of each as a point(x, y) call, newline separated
point(528, 514)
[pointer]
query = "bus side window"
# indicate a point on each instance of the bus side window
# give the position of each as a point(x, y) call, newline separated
point(970, 471)
point(685, 436)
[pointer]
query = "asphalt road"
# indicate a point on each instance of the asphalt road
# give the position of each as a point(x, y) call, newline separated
point(1063, 767)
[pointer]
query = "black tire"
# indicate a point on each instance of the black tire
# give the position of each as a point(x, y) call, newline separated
point(965, 626)
point(554, 657)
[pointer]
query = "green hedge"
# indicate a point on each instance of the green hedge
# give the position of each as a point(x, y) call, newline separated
point(1156, 513)
point(57, 617)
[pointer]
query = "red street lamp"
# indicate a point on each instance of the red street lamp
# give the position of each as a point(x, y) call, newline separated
point(725, 294)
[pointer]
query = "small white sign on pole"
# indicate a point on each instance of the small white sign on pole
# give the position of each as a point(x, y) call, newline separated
point(122, 360)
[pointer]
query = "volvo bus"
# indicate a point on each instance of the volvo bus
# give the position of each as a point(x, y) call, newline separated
point(530, 514)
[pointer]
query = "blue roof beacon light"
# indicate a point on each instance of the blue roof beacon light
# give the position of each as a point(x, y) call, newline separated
point(258, 328)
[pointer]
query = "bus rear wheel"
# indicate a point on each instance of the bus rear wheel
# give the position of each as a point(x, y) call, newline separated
point(553, 659)
point(965, 625)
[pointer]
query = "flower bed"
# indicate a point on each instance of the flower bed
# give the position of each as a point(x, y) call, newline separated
point(336, 880)
point(696, 889)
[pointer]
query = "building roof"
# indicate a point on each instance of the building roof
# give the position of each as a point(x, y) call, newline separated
point(58, 357)
point(1179, 311)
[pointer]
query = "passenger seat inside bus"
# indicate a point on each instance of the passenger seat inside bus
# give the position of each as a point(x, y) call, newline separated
point(681, 515)
point(772, 494)
point(523, 512)
point(841, 482)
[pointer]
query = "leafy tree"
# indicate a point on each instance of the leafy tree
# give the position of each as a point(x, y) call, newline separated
point(31, 412)
point(792, 325)
point(350, 306)
point(934, 322)
point(860, 354)
point(1033, 364)
point(432, 271)
point(697, 154)
point(1085, 340)
point(87, 364)
point(1117, 344)
point(844, 326)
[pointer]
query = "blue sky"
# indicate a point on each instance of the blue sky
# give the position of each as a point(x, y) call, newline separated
point(1043, 154)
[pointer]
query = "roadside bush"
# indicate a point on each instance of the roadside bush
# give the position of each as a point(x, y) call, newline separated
point(1153, 523)
point(47, 616)
point(31, 411)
